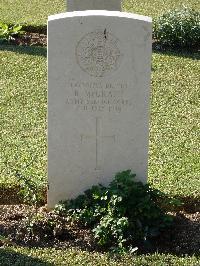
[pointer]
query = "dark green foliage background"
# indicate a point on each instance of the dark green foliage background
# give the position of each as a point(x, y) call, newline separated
point(178, 28)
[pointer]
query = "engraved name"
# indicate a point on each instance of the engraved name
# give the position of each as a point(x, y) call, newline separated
point(98, 96)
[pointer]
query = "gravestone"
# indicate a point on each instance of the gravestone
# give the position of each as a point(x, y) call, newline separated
point(99, 65)
point(75, 5)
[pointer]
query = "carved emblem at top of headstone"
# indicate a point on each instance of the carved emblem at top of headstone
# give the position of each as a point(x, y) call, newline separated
point(98, 53)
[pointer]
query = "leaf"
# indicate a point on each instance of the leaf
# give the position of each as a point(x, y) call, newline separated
point(16, 28)
point(132, 250)
point(3, 26)
point(153, 232)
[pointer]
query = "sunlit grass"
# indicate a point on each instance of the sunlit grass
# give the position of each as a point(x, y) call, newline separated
point(174, 131)
point(71, 257)
point(155, 8)
point(36, 12)
point(174, 142)
point(23, 113)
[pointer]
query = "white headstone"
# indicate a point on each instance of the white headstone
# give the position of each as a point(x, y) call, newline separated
point(99, 65)
point(78, 5)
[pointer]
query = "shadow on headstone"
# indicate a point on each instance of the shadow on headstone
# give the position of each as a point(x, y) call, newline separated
point(31, 50)
point(10, 257)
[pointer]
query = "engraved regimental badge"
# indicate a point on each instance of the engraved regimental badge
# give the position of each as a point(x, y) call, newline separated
point(98, 53)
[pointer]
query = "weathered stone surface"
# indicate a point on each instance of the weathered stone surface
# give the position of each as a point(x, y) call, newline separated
point(99, 65)
point(78, 5)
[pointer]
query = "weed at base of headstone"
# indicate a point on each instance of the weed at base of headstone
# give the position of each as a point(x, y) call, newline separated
point(122, 216)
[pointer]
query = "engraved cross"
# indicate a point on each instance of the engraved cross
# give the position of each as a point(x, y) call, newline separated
point(98, 141)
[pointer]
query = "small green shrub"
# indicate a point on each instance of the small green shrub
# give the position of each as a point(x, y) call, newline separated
point(124, 214)
point(32, 195)
point(30, 190)
point(179, 27)
point(10, 33)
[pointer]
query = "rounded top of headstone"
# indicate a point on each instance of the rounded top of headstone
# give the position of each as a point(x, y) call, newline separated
point(80, 5)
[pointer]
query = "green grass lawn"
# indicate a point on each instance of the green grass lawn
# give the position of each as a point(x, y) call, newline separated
point(155, 8)
point(36, 12)
point(30, 12)
point(174, 143)
point(72, 257)
point(174, 131)
point(23, 112)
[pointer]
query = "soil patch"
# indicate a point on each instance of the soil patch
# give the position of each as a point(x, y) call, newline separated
point(30, 39)
point(51, 230)
point(19, 225)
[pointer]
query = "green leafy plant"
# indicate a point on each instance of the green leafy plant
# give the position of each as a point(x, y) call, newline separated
point(179, 27)
point(123, 215)
point(32, 195)
point(30, 190)
point(9, 33)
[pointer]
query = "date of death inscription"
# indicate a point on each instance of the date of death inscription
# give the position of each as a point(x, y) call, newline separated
point(98, 96)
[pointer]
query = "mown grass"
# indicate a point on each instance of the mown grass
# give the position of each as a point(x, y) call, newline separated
point(174, 143)
point(23, 113)
point(174, 130)
point(155, 8)
point(50, 257)
point(35, 12)
point(30, 12)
